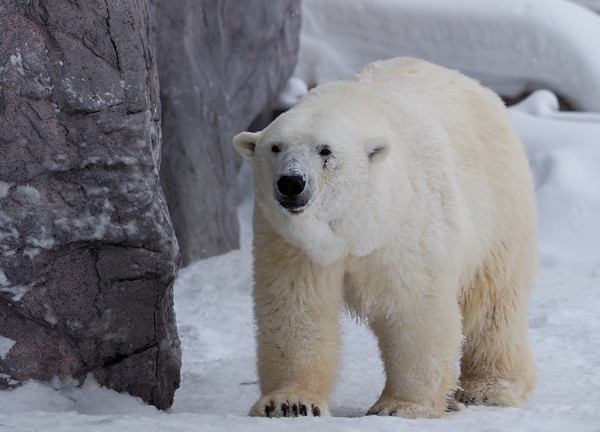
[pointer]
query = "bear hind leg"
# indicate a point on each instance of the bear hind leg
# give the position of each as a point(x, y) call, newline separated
point(497, 366)
point(420, 358)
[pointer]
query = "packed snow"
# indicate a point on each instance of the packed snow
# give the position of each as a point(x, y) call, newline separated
point(214, 314)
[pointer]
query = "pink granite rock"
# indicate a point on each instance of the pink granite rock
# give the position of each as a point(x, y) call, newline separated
point(87, 251)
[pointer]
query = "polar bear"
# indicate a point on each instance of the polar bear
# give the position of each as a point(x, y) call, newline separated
point(404, 193)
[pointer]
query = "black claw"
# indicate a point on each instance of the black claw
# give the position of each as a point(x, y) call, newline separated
point(371, 412)
point(316, 411)
point(303, 410)
point(268, 410)
point(295, 410)
point(393, 413)
point(284, 409)
point(468, 400)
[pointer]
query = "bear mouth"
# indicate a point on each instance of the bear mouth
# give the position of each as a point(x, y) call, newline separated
point(294, 207)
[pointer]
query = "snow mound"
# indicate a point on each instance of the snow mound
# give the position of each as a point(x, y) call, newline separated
point(564, 153)
point(511, 46)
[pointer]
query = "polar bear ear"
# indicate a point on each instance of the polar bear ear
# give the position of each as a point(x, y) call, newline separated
point(377, 149)
point(245, 144)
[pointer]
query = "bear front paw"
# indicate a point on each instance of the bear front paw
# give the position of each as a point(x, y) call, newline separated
point(282, 405)
point(409, 410)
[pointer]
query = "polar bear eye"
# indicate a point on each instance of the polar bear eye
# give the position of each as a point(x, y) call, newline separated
point(275, 148)
point(325, 151)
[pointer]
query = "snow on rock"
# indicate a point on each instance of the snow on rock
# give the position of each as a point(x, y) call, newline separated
point(17, 61)
point(4, 282)
point(4, 187)
point(17, 291)
point(5, 345)
point(512, 46)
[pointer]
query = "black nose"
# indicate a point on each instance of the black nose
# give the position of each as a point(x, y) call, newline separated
point(290, 186)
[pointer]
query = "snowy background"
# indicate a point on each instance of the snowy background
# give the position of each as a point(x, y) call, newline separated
point(214, 308)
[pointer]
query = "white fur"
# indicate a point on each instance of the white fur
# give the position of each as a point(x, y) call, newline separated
point(422, 221)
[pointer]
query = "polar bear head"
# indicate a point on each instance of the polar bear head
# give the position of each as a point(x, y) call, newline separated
point(315, 168)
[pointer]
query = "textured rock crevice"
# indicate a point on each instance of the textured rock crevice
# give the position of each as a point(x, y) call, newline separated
point(87, 251)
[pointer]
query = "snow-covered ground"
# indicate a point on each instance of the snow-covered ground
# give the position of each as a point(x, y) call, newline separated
point(214, 314)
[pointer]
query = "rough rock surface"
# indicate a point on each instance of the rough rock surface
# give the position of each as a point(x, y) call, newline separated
point(87, 250)
point(220, 64)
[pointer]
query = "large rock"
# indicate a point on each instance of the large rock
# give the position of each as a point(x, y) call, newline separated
point(87, 250)
point(221, 63)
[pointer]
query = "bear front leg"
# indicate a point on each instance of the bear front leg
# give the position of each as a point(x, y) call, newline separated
point(420, 349)
point(297, 305)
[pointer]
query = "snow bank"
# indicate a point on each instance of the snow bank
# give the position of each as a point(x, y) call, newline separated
point(592, 4)
point(564, 153)
point(512, 46)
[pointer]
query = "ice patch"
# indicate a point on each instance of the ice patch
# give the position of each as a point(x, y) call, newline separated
point(87, 227)
point(44, 241)
point(93, 226)
point(43, 83)
point(94, 101)
point(7, 231)
point(106, 100)
point(17, 291)
point(96, 190)
point(4, 187)
point(50, 315)
point(5, 345)
point(124, 160)
point(31, 253)
point(67, 85)
point(28, 194)
point(131, 228)
point(4, 282)
point(17, 61)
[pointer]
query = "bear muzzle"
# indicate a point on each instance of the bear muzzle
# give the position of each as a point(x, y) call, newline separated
point(291, 192)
